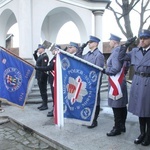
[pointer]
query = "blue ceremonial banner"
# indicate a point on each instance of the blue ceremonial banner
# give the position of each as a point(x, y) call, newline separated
point(15, 75)
point(80, 83)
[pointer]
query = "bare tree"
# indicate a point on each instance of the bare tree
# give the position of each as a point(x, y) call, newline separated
point(127, 6)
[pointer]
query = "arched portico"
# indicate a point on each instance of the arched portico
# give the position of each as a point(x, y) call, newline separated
point(43, 19)
point(57, 18)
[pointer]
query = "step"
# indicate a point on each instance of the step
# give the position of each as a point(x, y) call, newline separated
point(104, 85)
point(104, 89)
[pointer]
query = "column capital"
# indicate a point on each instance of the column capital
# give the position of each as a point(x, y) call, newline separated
point(98, 12)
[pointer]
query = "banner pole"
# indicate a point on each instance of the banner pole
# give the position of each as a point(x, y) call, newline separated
point(59, 115)
point(80, 59)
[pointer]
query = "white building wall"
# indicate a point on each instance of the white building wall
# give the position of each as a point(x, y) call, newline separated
point(81, 17)
point(25, 28)
point(44, 18)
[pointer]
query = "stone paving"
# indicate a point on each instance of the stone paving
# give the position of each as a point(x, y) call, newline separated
point(13, 137)
point(31, 129)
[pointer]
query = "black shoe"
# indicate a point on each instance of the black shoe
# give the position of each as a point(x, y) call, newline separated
point(43, 108)
point(40, 107)
point(94, 124)
point(50, 114)
point(123, 129)
point(140, 139)
point(146, 141)
point(114, 132)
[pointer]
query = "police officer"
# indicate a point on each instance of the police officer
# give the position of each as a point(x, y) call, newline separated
point(116, 68)
point(74, 49)
point(139, 101)
point(95, 57)
point(50, 69)
point(41, 76)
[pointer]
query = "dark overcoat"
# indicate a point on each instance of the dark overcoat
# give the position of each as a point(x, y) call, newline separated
point(41, 60)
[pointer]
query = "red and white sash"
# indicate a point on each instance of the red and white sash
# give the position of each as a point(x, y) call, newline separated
point(115, 91)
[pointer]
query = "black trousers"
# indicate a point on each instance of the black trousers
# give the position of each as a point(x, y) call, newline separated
point(145, 125)
point(51, 81)
point(43, 90)
point(98, 101)
point(120, 115)
point(97, 107)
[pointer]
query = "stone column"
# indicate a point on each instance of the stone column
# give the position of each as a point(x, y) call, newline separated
point(25, 29)
point(98, 26)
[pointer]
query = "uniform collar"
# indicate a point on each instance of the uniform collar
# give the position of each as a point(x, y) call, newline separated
point(141, 48)
point(91, 51)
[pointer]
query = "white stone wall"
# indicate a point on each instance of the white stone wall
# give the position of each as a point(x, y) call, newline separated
point(42, 19)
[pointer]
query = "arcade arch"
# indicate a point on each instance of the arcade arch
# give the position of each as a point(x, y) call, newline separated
point(56, 18)
point(7, 20)
point(65, 36)
point(43, 19)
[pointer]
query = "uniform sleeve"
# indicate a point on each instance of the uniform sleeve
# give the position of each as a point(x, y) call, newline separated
point(35, 55)
point(100, 60)
point(123, 56)
point(79, 52)
point(45, 60)
point(116, 65)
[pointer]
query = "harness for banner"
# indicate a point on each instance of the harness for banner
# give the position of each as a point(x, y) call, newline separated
point(115, 91)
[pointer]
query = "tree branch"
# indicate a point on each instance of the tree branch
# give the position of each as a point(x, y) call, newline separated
point(136, 11)
point(143, 10)
point(126, 8)
point(146, 19)
point(118, 3)
point(111, 9)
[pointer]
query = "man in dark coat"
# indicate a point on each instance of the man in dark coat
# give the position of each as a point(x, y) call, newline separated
point(50, 69)
point(42, 60)
point(117, 98)
point(139, 101)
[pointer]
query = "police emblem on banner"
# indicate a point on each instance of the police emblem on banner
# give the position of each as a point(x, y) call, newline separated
point(79, 88)
point(12, 79)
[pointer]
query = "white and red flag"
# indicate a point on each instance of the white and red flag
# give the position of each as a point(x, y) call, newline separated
point(115, 82)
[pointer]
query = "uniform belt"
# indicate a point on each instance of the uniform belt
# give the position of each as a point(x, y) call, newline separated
point(142, 74)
